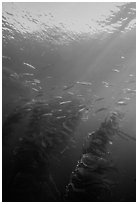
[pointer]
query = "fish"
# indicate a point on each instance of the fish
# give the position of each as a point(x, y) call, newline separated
point(84, 83)
point(64, 102)
point(79, 95)
point(6, 57)
point(82, 109)
point(58, 97)
point(14, 75)
point(47, 114)
point(101, 109)
point(106, 84)
point(37, 81)
point(124, 98)
point(35, 89)
point(129, 91)
point(27, 74)
point(131, 75)
point(29, 65)
point(59, 110)
point(60, 117)
point(116, 70)
point(71, 93)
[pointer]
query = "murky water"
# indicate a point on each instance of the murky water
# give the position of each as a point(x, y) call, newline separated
point(66, 67)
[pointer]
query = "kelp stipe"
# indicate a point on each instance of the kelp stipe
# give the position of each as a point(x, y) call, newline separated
point(95, 176)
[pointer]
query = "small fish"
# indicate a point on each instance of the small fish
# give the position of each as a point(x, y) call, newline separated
point(125, 98)
point(27, 74)
point(71, 93)
point(110, 142)
point(47, 114)
point(60, 117)
point(99, 99)
point(59, 110)
point(35, 89)
point(82, 109)
point(36, 81)
point(40, 87)
point(58, 97)
point(64, 102)
point(129, 91)
point(116, 70)
point(106, 84)
point(84, 83)
point(29, 65)
point(122, 57)
point(15, 75)
point(6, 57)
point(131, 75)
point(101, 109)
point(121, 103)
point(34, 84)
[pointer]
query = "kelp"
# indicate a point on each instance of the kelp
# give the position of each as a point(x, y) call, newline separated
point(42, 141)
point(95, 175)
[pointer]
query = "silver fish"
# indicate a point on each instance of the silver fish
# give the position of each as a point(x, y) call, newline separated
point(6, 57)
point(29, 65)
point(64, 102)
point(35, 89)
point(116, 70)
point(71, 93)
point(60, 117)
point(47, 114)
point(129, 91)
point(58, 97)
point(27, 74)
point(84, 83)
point(121, 103)
point(36, 81)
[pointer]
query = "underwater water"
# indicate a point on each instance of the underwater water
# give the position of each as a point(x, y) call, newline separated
point(69, 102)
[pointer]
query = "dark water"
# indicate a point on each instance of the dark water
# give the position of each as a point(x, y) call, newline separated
point(65, 71)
